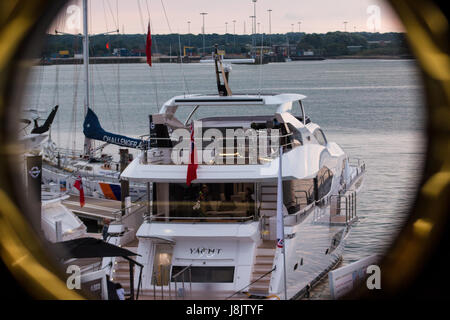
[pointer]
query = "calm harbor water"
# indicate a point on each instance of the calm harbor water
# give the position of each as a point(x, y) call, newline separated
point(372, 108)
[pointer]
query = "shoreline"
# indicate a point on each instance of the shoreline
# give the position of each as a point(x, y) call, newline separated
point(376, 57)
point(166, 60)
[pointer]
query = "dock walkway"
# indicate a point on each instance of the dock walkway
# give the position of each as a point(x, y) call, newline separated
point(94, 208)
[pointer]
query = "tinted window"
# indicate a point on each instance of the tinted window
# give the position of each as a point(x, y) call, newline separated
point(296, 109)
point(296, 135)
point(318, 134)
point(324, 179)
point(205, 274)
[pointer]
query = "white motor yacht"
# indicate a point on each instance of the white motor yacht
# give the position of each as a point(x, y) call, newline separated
point(216, 238)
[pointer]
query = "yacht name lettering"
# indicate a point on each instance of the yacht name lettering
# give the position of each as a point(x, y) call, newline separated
point(122, 141)
point(205, 251)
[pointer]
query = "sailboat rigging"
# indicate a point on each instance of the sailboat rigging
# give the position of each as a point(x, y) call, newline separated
point(98, 170)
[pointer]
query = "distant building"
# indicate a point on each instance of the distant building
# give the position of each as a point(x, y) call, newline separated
point(352, 49)
point(377, 43)
point(64, 53)
point(285, 50)
point(121, 52)
point(308, 53)
point(265, 50)
point(138, 52)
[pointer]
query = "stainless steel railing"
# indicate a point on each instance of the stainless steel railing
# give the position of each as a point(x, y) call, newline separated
point(162, 275)
point(181, 274)
point(199, 219)
point(344, 203)
point(249, 151)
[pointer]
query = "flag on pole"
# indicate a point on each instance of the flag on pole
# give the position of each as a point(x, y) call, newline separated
point(148, 46)
point(107, 45)
point(280, 222)
point(79, 185)
point(193, 165)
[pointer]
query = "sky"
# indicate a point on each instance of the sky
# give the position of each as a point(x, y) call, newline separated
point(166, 16)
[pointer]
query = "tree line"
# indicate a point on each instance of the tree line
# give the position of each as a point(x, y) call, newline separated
point(325, 44)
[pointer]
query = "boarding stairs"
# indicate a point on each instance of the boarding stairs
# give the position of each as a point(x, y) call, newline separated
point(121, 269)
point(260, 280)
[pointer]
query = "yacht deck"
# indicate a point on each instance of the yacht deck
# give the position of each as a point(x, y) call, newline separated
point(94, 207)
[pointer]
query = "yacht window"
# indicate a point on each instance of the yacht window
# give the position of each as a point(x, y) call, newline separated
point(320, 136)
point(197, 113)
point(324, 180)
point(296, 135)
point(206, 274)
point(296, 109)
point(212, 200)
point(297, 194)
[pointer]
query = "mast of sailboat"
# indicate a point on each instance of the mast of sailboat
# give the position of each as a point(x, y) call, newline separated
point(87, 141)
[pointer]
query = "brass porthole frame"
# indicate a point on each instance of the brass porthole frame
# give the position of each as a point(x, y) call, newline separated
point(427, 30)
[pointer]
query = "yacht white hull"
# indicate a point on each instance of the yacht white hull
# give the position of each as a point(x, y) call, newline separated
point(312, 249)
point(104, 184)
point(217, 237)
point(53, 211)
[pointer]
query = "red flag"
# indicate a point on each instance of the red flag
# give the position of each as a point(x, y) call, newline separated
point(107, 45)
point(193, 165)
point(148, 46)
point(79, 185)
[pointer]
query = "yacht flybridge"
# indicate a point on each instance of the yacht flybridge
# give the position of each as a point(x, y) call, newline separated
point(215, 237)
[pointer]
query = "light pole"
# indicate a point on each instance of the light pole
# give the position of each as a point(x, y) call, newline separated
point(253, 30)
point(270, 20)
point(234, 34)
point(189, 32)
point(203, 29)
point(259, 27)
point(292, 25)
point(299, 26)
point(226, 33)
point(345, 26)
point(254, 14)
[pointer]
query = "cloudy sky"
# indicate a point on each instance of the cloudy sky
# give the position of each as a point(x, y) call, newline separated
point(318, 16)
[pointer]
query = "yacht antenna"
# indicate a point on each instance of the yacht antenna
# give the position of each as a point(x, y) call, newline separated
point(224, 89)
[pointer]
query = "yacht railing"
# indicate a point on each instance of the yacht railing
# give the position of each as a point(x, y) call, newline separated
point(242, 153)
point(359, 164)
point(67, 157)
point(181, 274)
point(251, 283)
point(360, 168)
point(120, 217)
point(293, 219)
point(199, 219)
point(160, 289)
point(343, 203)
